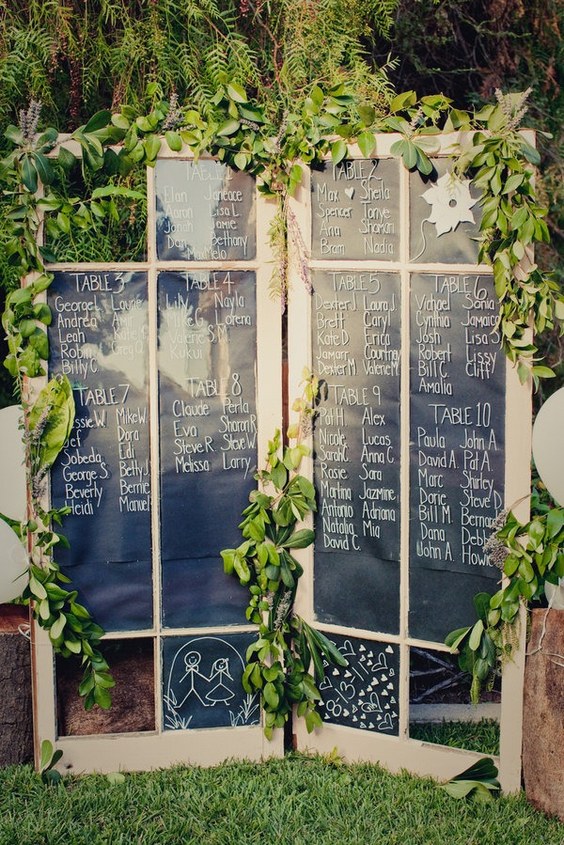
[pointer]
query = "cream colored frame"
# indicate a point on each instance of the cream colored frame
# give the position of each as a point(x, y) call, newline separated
point(158, 748)
point(401, 752)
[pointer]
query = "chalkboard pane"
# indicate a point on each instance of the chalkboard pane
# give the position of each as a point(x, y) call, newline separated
point(98, 338)
point(119, 595)
point(355, 210)
point(205, 211)
point(458, 443)
point(441, 601)
point(357, 591)
point(200, 591)
point(356, 343)
point(202, 685)
point(444, 218)
point(208, 425)
point(364, 694)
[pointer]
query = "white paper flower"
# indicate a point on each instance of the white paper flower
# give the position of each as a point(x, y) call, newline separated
point(451, 203)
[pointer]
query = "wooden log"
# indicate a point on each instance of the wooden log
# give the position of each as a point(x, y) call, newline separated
point(16, 720)
point(543, 722)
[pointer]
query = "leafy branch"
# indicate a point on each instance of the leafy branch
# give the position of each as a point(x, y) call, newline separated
point(278, 662)
point(528, 554)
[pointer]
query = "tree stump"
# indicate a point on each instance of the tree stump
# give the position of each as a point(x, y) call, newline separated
point(543, 722)
point(16, 720)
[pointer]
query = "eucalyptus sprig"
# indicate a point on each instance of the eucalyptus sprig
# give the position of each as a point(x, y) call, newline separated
point(286, 662)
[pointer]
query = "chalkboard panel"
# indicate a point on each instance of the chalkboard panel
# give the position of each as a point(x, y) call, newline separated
point(208, 431)
point(205, 211)
point(356, 342)
point(364, 694)
point(457, 438)
point(98, 338)
point(202, 683)
point(444, 217)
point(355, 210)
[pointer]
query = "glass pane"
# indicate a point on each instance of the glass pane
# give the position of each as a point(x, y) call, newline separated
point(133, 697)
point(439, 710)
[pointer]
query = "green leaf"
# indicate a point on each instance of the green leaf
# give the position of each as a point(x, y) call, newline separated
point(57, 627)
point(44, 168)
point(367, 143)
point(46, 753)
point(56, 400)
point(236, 92)
point(476, 635)
point(271, 696)
point(174, 140)
point(455, 637)
point(555, 521)
point(152, 145)
point(98, 121)
point(339, 151)
point(29, 174)
point(300, 539)
point(228, 127)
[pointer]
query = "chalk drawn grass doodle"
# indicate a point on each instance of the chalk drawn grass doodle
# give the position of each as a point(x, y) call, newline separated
point(363, 694)
point(204, 686)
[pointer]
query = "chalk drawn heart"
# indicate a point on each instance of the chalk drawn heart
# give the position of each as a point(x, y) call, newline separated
point(392, 700)
point(362, 658)
point(391, 673)
point(349, 192)
point(385, 692)
point(362, 725)
point(373, 705)
point(371, 725)
point(386, 724)
point(386, 706)
point(370, 654)
point(347, 649)
point(361, 647)
point(335, 672)
point(390, 650)
point(355, 718)
point(346, 713)
point(361, 693)
point(354, 708)
point(381, 663)
point(348, 674)
point(363, 715)
point(390, 686)
point(325, 684)
point(383, 678)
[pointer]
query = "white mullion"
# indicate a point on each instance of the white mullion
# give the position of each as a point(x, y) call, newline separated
point(154, 442)
point(405, 421)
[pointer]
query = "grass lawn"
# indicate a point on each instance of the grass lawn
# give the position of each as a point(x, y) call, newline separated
point(293, 801)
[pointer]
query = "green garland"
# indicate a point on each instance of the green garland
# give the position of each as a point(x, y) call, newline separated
point(237, 131)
